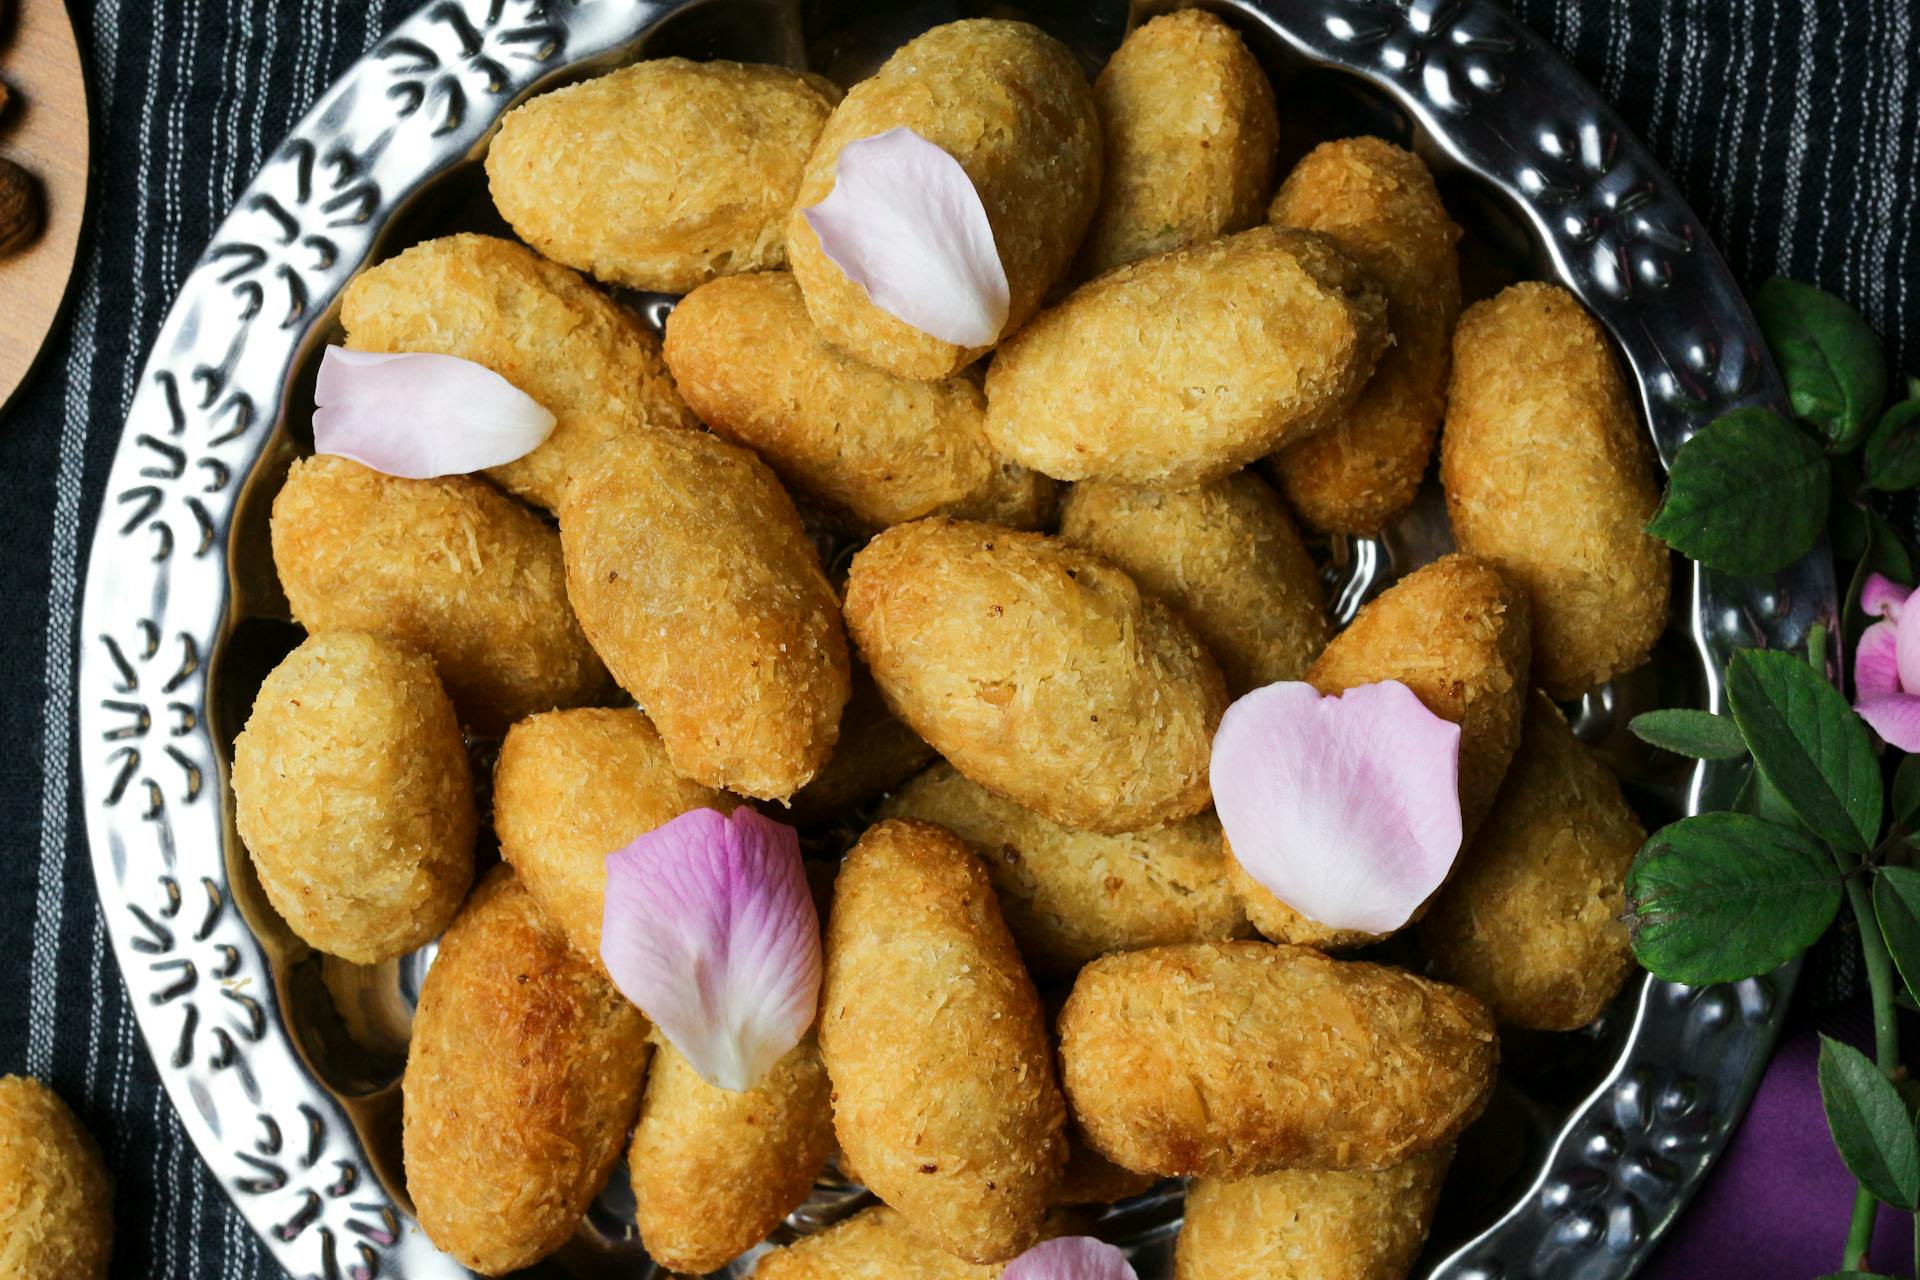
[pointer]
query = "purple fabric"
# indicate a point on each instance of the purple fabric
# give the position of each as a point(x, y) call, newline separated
point(1778, 1203)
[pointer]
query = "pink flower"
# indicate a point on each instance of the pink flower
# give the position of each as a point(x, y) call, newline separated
point(1071, 1258)
point(1886, 666)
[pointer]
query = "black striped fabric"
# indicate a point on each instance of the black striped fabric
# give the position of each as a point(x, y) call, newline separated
point(1792, 125)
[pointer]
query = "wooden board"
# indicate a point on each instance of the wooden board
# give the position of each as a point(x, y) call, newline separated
point(44, 129)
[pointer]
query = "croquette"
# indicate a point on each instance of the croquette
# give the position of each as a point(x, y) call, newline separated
point(1183, 368)
point(694, 579)
point(1379, 204)
point(661, 175)
point(1226, 556)
point(571, 787)
point(523, 1077)
point(56, 1198)
point(1456, 634)
point(1040, 671)
point(1235, 1059)
point(943, 1081)
point(353, 796)
point(1311, 1224)
point(868, 448)
point(713, 1170)
point(879, 1244)
point(582, 356)
point(1548, 472)
point(1531, 921)
point(1070, 896)
point(1011, 105)
point(1190, 128)
point(874, 753)
point(1091, 1178)
point(451, 568)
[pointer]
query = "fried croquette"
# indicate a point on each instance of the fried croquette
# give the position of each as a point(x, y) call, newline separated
point(1011, 105)
point(56, 1198)
point(354, 798)
point(571, 787)
point(1091, 1178)
point(1190, 128)
point(874, 754)
point(1456, 634)
point(450, 568)
point(1234, 1059)
point(663, 174)
point(1228, 559)
point(1183, 368)
point(584, 357)
point(1378, 203)
point(878, 1244)
point(1311, 1224)
point(1071, 896)
point(869, 448)
point(1530, 922)
point(523, 1077)
point(934, 1039)
point(693, 577)
point(1040, 671)
point(713, 1170)
point(1548, 472)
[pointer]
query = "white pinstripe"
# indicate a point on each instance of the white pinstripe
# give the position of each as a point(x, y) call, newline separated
point(1796, 141)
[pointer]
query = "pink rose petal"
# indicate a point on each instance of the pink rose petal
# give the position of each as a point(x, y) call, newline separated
point(1883, 596)
point(904, 222)
point(1906, 653)
point(1895, 717)
point(418, 415)
point(709, 928)
point(1876, 662)
point(1347, 808)
point(1070, 1258)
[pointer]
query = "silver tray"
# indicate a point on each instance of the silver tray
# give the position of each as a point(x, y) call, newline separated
point(283, 1064)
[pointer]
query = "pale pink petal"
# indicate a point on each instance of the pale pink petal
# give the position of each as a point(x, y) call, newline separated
point(1070, 1258)
point(1347, 808)
point(904, 222)
point(1895, 717)
point(709, 928)
point(419, 415)
point(1883, 596)
point(1906, 653)
point(1876, 662)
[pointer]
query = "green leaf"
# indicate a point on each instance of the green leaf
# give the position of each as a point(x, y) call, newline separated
point(1846, 523)
point(1748, 494)
point(1809, 743)
point(1762, 800)
point(1856, 1275)
point(1906, 790)
point(1893, 450)
point(1699, 735)
point(1725, 896)
point(1913, 387)
point(1883, 553)
point(1829, 356)
point(1896, 902)
point(1869, 1125)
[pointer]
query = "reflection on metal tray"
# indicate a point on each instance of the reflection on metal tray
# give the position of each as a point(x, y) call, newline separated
point(284, 1064)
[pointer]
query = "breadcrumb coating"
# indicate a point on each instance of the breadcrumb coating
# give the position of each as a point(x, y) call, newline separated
point(1183, 368)
point(1379, 204)
point(934, 1039)
point(523, 1077)
point(1191, 128)
point(353, 796)
point(661, 175)
point(878, 1244)
point(1531, 921)
point(1548, 471)
point(1040, 671)
point(1234, 1059)
point(1010, 103)
point(450, 568)
point(583, 356)
point(56, 1197)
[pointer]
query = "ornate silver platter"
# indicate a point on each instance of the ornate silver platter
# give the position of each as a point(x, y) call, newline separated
point(284, 1064)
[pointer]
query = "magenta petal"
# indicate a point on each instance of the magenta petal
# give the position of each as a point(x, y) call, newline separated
point(1070, 1258)
point(419, 415)
point(1895, 717)
point(1883, 597)
point(1346, 808)
point(1876, 662)
point(710, 929)
point(905, 223)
